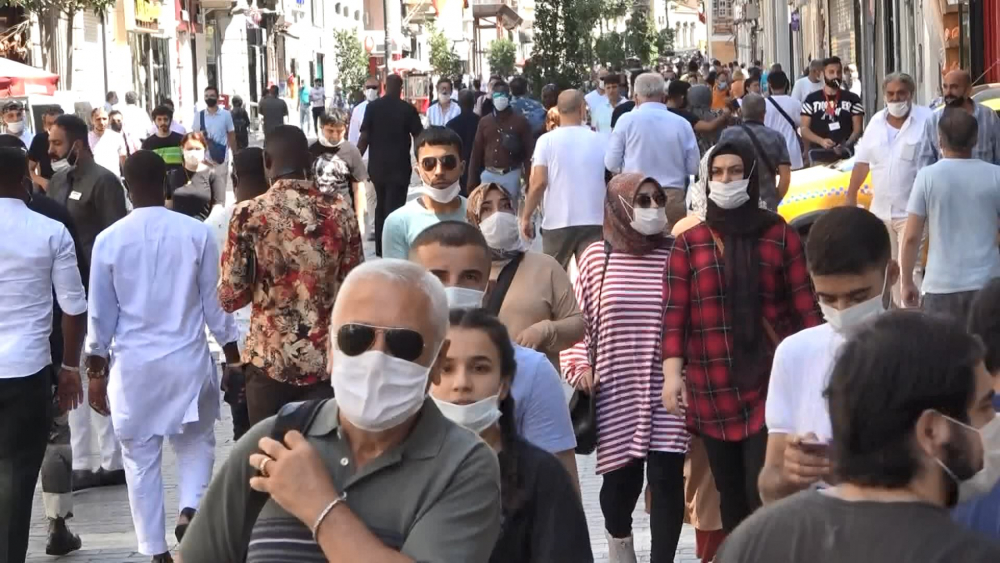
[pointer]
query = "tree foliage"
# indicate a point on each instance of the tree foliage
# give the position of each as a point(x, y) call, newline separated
point(665, 41)
point(351, 61)
point(444, 59)
point(502, 56)
point(640, 35)
point(563, 52)
point(609, 48)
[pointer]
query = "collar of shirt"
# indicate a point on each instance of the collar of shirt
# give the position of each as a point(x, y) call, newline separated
point(12, 203)
point(424, 441)
point(295, 184)
point(652, 106)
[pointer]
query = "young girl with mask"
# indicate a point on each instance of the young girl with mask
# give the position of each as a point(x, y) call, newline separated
point(195, 189)
point(621, 295)
point(734, 286)
point(543, 520)
point(537, 306)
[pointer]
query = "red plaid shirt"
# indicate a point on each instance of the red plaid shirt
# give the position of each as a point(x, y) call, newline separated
point(696, 326)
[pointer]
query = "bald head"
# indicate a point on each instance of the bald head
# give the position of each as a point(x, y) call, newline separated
point(571, 107)
point(754, 107)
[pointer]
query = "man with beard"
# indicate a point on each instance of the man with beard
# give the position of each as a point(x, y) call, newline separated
point(909, 399)
point(832, 118)
point(957, 88)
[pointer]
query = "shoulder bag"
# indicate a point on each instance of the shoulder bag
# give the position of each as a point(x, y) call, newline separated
point(760, 150)
point(791, 122)
point(216, 151)
point(502, 286)
point(583, 405)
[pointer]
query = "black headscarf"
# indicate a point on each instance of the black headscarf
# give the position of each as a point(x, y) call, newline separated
point(740, 229)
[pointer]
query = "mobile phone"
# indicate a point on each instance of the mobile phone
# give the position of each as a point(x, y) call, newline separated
point(815, 448)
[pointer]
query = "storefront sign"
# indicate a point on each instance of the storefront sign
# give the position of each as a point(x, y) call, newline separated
point(147, 14)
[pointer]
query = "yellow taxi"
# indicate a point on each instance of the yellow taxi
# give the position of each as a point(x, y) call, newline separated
point(815, 190)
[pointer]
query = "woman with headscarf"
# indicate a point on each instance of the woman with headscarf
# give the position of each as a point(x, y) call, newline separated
point(534, 300)
point(734, 286)
point(618, 361)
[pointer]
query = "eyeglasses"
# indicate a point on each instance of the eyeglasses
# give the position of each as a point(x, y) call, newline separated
point(354, 339)
point(448, 162)
point(644, 200)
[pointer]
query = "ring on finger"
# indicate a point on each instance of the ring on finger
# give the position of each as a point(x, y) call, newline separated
point(262, 468)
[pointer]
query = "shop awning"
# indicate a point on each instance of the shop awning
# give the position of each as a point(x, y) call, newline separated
point(18, 79)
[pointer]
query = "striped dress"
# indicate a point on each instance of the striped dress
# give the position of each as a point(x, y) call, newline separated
point(631, 420)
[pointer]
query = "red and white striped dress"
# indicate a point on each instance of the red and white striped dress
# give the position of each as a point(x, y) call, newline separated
point(631, 420)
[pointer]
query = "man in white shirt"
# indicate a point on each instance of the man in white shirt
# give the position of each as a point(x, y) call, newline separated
point(37, 255)
point(654, 142)
point(852, 269)
point(108, 146)
point(603, 109)
point(597, 95)
point(567, 180)
point(135, 120)
point(812, 82)
point(152, 291)
point(353, 135)
point(784, 115)
point(13, 121)
point(889, 150)
point(439, 114)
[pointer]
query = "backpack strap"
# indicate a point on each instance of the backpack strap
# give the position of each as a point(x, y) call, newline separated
point(504, 280)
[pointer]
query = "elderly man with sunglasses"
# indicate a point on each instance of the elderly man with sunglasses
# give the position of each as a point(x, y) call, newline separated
point(440, 165)
point(379, 474)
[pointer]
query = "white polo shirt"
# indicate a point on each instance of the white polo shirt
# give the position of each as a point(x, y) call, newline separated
point(893, 157)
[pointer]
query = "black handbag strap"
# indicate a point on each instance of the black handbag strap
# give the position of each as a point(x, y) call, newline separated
point(760, 150)
point(504, 280)
point(787, 117)
point(596, 332)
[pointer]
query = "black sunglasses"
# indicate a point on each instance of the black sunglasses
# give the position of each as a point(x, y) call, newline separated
point(448, 162)
point(354, 339)
point(644, 200)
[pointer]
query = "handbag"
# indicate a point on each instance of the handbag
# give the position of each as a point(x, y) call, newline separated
point(583, 405)
point(504, 280)
point(216, 151)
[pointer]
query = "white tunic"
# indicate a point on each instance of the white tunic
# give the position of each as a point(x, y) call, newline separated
point(153, 276)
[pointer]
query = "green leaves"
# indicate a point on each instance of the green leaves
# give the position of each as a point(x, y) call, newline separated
point(67, 7)
point(501, 57)
point(444, 59)
point(351, 60)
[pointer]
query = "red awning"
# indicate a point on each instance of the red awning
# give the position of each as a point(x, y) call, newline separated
point(17, 79)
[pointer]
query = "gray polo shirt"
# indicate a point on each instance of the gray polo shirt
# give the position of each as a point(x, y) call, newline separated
point(772, 143)
point(435, 497)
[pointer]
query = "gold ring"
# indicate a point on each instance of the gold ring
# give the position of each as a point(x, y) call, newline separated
point(263, 467)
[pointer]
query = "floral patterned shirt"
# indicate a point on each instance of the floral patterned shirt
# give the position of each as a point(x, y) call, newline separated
point(287, 252)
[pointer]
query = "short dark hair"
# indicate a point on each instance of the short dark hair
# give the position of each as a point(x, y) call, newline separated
point(959, 129)
point(212, 88)
point(754, 78)
point(445, 80)
point(984, 322)
point(110, 96)
point(14, 164)
point(847, 241)
point(248, 169)
point(452, 234)
point(273, 90)
point(887, 374)
point(163, 110)
point(834, 60)
point(288, 145)
point(131, 97)
point(500, 83)
point(75, 128)
point(333, 117)
point(777, 80)
point(678, 89)
point(145, 171)
point(237, 101)
point(167, 102)
point(394, 84)
point(693, 66)
point(467, 99)
point(519, 86)
point(53, 111)
point(115, 112)
point(435, 137)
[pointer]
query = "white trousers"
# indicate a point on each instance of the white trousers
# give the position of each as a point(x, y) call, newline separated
point(194, 448)
point(82, 420)
point(895, 228)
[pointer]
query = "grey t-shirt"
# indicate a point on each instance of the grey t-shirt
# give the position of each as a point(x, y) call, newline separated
point(273, 110)
point(815, 527)
point(773, 144)
point(961, 200)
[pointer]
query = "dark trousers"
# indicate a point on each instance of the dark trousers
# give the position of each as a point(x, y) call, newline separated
point(955, 306)
point(266, 396)
point(241, 419)
point(25, 416)
point(391, 196)
point(562, 244)
point(316, 113)
point(736, 466)
point(621, 489)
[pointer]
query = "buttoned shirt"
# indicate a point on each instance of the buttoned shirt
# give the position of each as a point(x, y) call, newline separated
point(152, 292)
point(987, 146)
point(437, 116)
point(489, 151)
point(892, 154)
point(287, 252)
point(654, 142)
point(36, 255)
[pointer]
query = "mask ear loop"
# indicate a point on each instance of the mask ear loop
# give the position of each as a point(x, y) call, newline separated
point(627, 207)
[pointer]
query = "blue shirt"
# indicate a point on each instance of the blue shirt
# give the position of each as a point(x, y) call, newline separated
point(981, 514)
point(404, 224)
point(217, 126)
point(540, 404)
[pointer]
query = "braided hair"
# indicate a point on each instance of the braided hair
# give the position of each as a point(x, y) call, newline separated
point(512, 494)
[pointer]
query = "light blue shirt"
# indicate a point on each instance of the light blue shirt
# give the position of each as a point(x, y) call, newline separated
point(654, 142)
point(217, 126)
point(540, 404)
point(404, 224)
point(961, 200)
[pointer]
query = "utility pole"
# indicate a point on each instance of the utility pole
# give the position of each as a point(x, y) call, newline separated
point(388, 43)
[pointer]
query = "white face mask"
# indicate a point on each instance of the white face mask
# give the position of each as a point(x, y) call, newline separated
point(501, 103)
point(376, 391)
point(475, 417)
point(729, 195)
point(193, 157)
point(983, 482)
point(855, 315)
point(446, 195)
point(61, 164)
point(15, 128)
point(463, 298)
point(898, 109)
point(326, 143)
point(649, 221)
point(501, 231)
point(371, 94)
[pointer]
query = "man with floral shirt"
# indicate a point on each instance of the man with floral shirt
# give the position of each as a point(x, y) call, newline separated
point(287, 253)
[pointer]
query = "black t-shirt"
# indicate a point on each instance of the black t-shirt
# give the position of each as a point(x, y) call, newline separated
point(389, 124)
point(194, 193)
point(832, 117)
point(620, 110)
point(39, 152)
point(690, 117)
point(815, 527)
point(550, 525)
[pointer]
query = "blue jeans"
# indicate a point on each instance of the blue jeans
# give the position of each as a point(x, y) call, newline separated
point(510, 181)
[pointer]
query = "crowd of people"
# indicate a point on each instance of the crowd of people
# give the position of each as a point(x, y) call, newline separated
point(765, 386)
